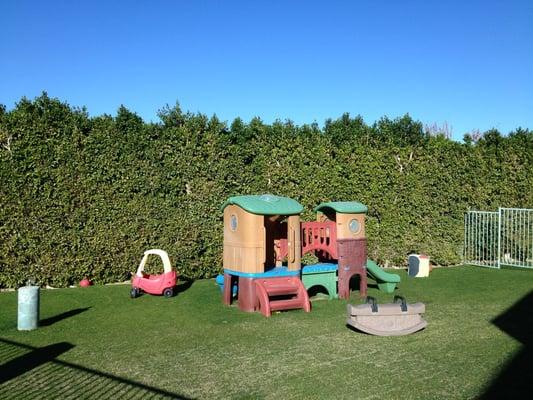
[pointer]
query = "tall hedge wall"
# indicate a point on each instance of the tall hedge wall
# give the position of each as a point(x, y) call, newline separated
point(85, 196)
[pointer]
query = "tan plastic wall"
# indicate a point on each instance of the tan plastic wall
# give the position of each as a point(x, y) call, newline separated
point(294, 258)
point(251, 246)
point(244, 248)
point(343, 224)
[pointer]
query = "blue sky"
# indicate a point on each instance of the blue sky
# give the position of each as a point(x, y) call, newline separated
point(468, 63)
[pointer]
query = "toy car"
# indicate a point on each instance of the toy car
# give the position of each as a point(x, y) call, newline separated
point(154, 284)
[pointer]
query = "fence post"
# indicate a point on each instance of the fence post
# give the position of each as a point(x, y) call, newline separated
point(498, 263)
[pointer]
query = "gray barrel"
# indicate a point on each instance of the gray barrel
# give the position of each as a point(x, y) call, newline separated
point(28, 308)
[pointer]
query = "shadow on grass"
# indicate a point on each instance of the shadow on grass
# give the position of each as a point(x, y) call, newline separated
point(516, 379)
point(36, 373)
point(183, 285)
point(59, 317)
point(28, 361)
point(318, 292)
point(372, 285)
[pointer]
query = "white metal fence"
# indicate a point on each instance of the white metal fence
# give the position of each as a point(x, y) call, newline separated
point(481, 238)
point(493, 239)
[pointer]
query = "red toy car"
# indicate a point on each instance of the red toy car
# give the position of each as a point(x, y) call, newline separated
point(154, 284)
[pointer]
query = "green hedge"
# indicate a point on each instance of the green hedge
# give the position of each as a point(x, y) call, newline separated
point(85, 196)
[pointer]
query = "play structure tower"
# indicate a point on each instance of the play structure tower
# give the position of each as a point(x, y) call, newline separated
point(254, 228)
point(264, 242)
point(348, 220)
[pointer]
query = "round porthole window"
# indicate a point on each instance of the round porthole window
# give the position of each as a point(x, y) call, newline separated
point(233, 223)
point(354, 226)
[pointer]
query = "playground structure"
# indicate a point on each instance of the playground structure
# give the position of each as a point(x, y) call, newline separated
point(264, 242)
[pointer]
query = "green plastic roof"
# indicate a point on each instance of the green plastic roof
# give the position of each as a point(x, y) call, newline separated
point(266, 204)
point(343, 207)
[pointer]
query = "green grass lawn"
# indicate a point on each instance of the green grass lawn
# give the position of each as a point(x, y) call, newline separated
point(99, 343)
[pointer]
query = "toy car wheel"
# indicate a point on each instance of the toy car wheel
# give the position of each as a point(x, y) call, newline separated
point(168, 292)
point(135, 292)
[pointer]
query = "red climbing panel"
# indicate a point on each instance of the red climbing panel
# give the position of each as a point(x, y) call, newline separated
point(282, 249)
point(284, 293)
point(316, 237)
point(319, 236)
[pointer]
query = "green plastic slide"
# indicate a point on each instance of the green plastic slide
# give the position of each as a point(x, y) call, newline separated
point(386, 282)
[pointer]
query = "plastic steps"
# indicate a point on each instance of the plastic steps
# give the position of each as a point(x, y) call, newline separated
point(289, 304)
point(291, 288)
